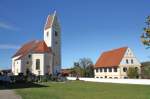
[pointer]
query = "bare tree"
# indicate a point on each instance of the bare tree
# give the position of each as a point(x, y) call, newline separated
point(84, 67)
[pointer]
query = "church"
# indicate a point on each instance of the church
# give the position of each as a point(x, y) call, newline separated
point(41, 57)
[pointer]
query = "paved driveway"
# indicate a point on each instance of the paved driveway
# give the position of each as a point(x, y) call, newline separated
point(8, 94)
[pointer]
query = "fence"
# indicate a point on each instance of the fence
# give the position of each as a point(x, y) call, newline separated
point(120, 81)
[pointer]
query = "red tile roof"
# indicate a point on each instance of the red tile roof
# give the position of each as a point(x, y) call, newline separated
point(32, 47)
point(111, 58)
point(49, 22)
point(25, 48)
point(41, 47)
point(66, 71)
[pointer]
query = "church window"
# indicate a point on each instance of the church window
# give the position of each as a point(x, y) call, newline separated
point(29, 56)
point(47, 33)
point(56, 34)
point(37, 64)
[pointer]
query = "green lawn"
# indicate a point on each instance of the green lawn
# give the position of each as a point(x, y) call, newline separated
point(85, 90)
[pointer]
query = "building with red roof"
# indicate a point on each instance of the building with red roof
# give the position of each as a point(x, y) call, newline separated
point(115, 63)
point(41, 56)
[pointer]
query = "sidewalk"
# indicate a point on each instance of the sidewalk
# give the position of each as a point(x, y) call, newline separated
point(9, 94)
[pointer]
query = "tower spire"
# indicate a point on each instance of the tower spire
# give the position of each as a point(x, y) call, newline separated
point(49, 21)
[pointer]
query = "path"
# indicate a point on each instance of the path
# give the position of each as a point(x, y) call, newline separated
point(8, 94)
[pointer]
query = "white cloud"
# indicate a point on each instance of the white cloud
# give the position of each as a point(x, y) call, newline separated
point(9, 46)
point(7, 26)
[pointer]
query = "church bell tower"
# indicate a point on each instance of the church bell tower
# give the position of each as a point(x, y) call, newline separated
point(52, 37)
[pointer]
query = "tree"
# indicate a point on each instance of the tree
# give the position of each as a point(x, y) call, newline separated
point(90, 71)
point(133, 72)
point(84, 67)
point(145, 70)
point(86, 64)
point(145, 38)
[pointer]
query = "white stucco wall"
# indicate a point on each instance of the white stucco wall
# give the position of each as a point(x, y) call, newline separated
point(120, 81)
point(20, 66)
point(16, 65)
point(48, 63)
point(48, 39)
point(107, 74)
point(41, 70)
point(129, 55)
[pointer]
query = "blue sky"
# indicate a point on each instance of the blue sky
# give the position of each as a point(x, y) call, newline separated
point(89, 27)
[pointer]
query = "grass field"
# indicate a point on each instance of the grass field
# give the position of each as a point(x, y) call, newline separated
point(85, 90)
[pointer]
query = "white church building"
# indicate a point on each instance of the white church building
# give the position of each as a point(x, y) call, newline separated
point(115, 63)
point(41, 57)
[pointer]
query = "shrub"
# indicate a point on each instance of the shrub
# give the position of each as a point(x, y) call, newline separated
point(132, 72)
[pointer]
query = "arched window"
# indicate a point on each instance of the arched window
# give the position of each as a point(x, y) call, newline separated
point(56, 34)
point(47, 33)
point(29, 55)
point(124, 69)
point(37, 64)
point(127, 61)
